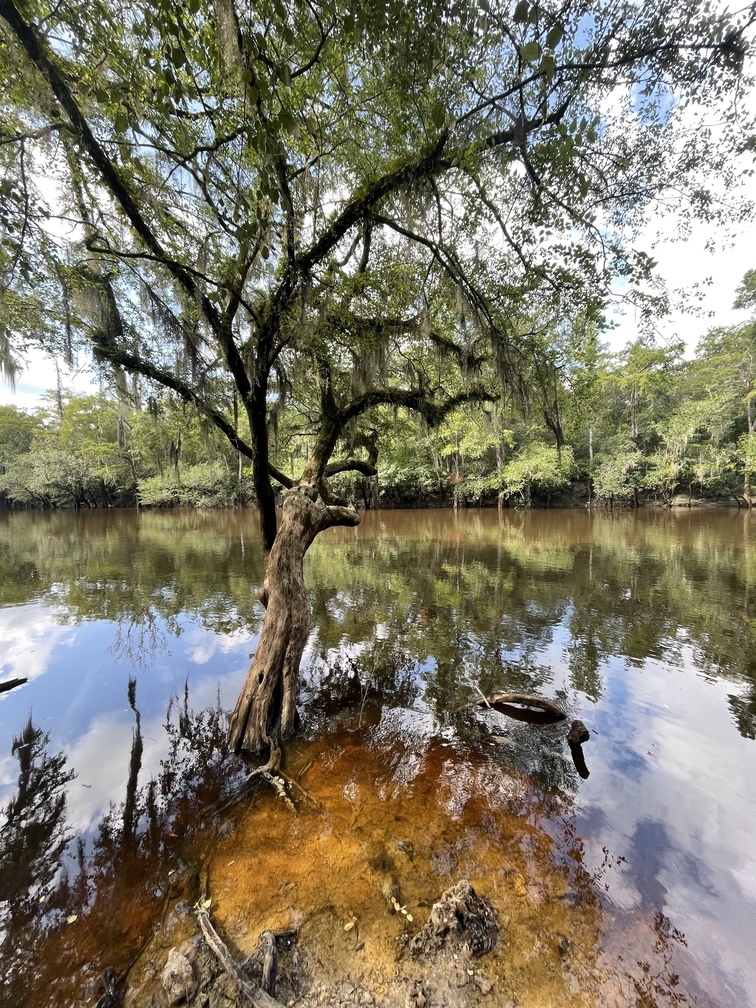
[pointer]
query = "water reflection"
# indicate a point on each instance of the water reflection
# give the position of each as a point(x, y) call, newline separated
point(72, 913)
point(641, 625)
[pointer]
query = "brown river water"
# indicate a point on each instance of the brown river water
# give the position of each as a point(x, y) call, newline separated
point(627, 878)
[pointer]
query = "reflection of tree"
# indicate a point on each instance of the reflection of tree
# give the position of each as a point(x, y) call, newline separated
point(744, 712)
point(465, 600)
point(137, 571)
point(33, 839)
point(657, 983)
point(474, 596)
point(114, 886)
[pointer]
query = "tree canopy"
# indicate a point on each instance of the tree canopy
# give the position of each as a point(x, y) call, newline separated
point(250, 205)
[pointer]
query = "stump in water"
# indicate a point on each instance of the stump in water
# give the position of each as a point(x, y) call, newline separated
point(461, 917)
point(578, 734)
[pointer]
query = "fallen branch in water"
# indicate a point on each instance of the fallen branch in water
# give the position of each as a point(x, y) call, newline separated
point(499, 699)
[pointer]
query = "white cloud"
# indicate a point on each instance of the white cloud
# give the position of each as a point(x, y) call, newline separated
point(703, 281)
point(29, 634)
point(38, 375)
point(201, 645)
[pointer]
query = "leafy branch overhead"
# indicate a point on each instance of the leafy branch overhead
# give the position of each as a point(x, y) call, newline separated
point(235, 202)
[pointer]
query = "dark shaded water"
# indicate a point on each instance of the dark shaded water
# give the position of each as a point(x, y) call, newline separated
point(642, 625)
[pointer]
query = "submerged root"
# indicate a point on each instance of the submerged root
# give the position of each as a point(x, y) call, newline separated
point(272, 774)
point(257, 996)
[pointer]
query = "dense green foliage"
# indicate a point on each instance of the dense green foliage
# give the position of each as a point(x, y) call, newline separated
point(641, 424)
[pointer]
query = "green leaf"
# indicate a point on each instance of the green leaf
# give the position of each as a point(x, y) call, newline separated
point(555, 35)
point(120, 122)
point(438, 114)
point(521, 12)
point(530, 52)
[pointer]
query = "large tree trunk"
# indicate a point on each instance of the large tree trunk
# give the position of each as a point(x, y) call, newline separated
point(265, 712)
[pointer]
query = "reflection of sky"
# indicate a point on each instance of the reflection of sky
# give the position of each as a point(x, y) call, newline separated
point(79, 695)
point(29, 635)
point(670, 791)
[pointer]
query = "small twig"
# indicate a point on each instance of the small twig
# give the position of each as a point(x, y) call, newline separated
point(483, 695)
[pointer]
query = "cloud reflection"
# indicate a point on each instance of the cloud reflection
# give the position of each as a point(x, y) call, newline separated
point(30, 634)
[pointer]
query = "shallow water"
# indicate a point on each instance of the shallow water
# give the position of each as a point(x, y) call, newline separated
point(642, 625)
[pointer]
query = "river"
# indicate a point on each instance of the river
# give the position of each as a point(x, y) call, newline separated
point(638, 865)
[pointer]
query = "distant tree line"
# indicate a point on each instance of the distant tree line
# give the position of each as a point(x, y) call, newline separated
point(616, 428)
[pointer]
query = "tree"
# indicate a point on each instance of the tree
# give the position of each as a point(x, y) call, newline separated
point(728, 358)
point(355, 209)
point(538, 465)
point(17, 428)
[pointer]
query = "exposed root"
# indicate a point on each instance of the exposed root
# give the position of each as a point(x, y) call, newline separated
point(304, 793)
point(256, 995)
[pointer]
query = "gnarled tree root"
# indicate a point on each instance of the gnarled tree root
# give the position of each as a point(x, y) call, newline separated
point(256, 995)
point(273, 775)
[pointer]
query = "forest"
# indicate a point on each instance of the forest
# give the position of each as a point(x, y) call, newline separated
point(612, 429)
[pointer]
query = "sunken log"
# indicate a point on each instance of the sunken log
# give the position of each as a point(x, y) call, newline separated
point(500, 700)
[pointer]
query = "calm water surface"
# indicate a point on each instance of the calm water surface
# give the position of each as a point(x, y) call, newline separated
point(642, 625)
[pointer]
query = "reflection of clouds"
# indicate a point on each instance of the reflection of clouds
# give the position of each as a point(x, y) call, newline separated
point(101, 758)
point(29, 634)
point(100, 755)
point(678, 812)
point(201, 645)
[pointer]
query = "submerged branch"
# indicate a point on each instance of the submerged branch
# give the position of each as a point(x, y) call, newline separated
point(257, 996)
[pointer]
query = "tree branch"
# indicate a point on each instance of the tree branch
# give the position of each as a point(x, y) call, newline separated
point(8, 138)
point(105, 348)
point(350, 465)
point(40, 55)
point(417, 401)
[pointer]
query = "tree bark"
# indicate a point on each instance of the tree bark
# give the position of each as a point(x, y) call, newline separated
point(265, 712)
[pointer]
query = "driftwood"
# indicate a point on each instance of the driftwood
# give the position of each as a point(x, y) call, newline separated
point(530, 715)
point(500, 701)
point(269, 954)
point(10, 684)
